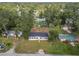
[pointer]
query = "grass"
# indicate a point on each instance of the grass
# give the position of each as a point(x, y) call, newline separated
point(54, 47)
point(31, 46)
point(63, 49)
point(49, 47)
point(8, 43)
point(59, 48)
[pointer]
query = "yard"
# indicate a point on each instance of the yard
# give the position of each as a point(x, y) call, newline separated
point(32, 46)
point(49, 47)
point(26, 46)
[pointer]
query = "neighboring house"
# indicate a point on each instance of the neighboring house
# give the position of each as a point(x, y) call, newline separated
point(38, 36)
point(40, 22)
point(12, 33)
point(67, 37)
point(40, 19)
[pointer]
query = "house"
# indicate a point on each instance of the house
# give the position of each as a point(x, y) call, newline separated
point(38, 36)
point(67, 37)
point(38, 33)
point(40, 22)
point(11, 33)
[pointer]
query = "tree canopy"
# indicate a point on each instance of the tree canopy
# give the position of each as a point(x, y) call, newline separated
point(20, 16)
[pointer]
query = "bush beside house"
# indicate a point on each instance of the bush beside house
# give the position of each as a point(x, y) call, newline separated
point(54, 32)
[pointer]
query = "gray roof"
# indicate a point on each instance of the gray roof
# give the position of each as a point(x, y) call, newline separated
point(41, 34)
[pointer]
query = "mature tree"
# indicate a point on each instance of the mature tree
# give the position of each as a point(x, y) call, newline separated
point(24, 22)
point(4, 19)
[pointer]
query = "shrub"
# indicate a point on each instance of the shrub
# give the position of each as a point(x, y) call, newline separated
point(75, 50)
point(7, 42)
point(9, 45)
point(53, 34)
point(59, 48)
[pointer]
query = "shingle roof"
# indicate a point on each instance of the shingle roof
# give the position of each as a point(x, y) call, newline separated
point(41, 34)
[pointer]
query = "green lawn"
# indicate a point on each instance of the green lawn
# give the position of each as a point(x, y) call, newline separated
point(31, 46)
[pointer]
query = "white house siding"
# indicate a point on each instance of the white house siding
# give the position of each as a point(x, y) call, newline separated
point(38, 38)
